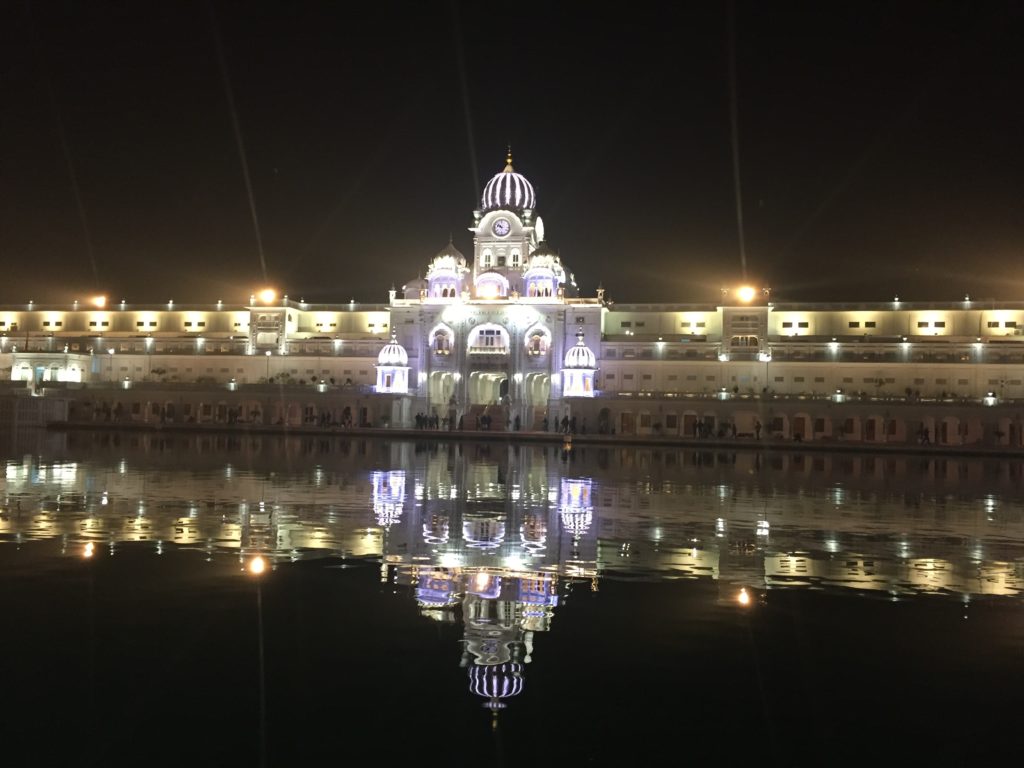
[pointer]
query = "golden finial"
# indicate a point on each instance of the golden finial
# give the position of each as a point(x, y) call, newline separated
point(508, 158)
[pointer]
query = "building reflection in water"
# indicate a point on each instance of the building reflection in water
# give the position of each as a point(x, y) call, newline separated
point(497, 538)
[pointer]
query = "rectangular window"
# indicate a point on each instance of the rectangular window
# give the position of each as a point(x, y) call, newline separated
point(610, 354)
point(672, 377)
point(922, 324)
point(1010, 324)
point(819, 425)
point(870, 324)
point(671, 421)
point(961, 382)
point(787, 325)
point(798, 379)
point(919, 381)
point(609, 376)
point(803, 325)
point(645, 419)
point(939, 324)
point(701, 324)
point(847, 380)
point(709, 378)
point(641, 323)
point(626, 324)
point(780, 378)
point(940, 381)
point(628, 376)
point(854, 324)
point(993, 323)
point(646, 377)
point(691, 377)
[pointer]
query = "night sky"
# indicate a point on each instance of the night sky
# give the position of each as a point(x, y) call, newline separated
point(880, 145)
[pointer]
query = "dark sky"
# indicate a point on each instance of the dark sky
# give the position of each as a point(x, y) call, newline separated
point(880, 145)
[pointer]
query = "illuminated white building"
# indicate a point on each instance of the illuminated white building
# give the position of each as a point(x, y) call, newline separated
point(501, 335)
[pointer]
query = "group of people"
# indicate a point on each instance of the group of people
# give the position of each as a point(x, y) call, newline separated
point(567, 426)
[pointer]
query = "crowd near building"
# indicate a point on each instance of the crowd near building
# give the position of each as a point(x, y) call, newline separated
point(506, 340)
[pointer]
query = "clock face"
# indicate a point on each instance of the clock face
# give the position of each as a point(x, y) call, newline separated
point(501, 227)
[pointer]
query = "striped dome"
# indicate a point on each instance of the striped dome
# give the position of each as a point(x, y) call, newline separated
point(393, 353)
point(508, 190)
point(497, 682)
point(580, 355)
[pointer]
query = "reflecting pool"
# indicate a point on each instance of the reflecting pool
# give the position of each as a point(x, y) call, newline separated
point(226, 600)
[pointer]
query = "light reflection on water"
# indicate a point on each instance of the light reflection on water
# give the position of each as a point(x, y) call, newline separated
point(493, 543)
point(894, 525)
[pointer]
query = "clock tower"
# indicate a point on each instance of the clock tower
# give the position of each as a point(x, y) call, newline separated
point(504, 234)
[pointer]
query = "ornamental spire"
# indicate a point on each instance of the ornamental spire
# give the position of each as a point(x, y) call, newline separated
point(508, 160)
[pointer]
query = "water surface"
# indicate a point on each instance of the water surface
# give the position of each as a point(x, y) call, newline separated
point(483, 604)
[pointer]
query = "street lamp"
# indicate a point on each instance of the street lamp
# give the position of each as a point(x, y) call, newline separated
point(110, 354)
point(268, 365)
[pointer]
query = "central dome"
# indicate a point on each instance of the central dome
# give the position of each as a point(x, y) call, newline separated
point(508, 190)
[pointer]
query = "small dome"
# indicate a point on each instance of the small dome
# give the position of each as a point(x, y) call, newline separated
point(543, 250)
point(393, 353)
point(508, 190)
point(580, 355)
point(450, 252)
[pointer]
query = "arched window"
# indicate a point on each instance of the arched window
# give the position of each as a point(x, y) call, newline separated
point(442, 343)
point(537, 344)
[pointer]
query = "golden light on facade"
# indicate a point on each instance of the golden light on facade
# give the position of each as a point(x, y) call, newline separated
point(746, 293)
point(89, 550)
point(268, 295)
point(743, 598)
point(257, 565)
point(99, 301)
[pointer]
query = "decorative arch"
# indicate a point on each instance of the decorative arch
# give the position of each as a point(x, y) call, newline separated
point(488, 338)
point(491, 285)
point(537, 341)
point(442, 339)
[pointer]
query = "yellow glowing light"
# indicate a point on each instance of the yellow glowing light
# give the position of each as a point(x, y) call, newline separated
point(88, 551)
point(257, 565)
point(268, 295)
point(481, 580)
point(489, 291)
point(99, 301)
point(746, 293)
point(743, 598)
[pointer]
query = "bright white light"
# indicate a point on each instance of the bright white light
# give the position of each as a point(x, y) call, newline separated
point(746, 293)
point(257, 565)
point(451, 560)
point(723, 357)
point(268, 295)
point(89, 550)
point(99, 301)
point(743, 598)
